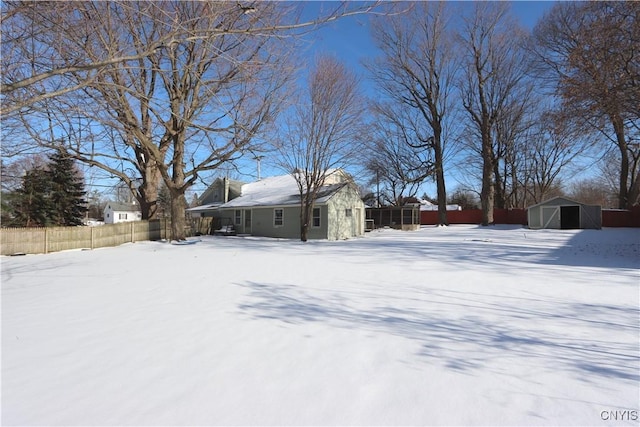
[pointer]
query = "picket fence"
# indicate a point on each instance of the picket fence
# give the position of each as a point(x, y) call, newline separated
point(43, 240)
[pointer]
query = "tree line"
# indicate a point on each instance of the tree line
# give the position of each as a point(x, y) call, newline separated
point(160, 94)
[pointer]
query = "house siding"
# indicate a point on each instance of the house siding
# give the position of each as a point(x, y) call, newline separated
point(262, 223)
point(112, 215)
point(260, 199)
point(342, 226)
point(218, 190)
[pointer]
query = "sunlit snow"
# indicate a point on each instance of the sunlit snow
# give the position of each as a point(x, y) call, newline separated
point(447, 325)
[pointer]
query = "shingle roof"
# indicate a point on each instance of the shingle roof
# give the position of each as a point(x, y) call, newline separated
point(277, 191)
point(123, 207)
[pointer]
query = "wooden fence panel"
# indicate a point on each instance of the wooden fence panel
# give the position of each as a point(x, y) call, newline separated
point(66, 238)
point(621, 217)
point(112, 235)
point(53, 239)
point(474, 216)
point(23, 241)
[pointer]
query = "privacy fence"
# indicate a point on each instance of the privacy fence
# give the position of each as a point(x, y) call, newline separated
point(52, 239)
point(474, 216)
point(610, 217)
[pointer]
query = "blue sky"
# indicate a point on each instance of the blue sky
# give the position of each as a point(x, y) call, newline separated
point(349, 40)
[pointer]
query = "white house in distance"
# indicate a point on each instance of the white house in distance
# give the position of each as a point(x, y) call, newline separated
point(121, 212)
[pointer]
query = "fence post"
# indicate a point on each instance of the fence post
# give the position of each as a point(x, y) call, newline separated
point(132, 231)
point(92, 238)
point(46, 241)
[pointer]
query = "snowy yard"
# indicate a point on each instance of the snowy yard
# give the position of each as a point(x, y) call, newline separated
point(460, 325)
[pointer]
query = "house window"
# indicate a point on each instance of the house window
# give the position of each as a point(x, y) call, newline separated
point(238, 217)
point(348, 212)
point(278, 217)
point(122, 216)
point(316, 218)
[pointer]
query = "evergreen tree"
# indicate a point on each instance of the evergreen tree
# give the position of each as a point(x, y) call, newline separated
point(31, 203)
point(67, 191)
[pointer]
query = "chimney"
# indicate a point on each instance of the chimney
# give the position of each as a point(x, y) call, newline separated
point(225, 181)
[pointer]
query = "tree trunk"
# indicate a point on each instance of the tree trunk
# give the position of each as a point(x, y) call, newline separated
point(147, 193)
point(499, 187)
point(305, 214)
point(178, 219)
point(440, 184)
point(623, 189)
point(487, 194)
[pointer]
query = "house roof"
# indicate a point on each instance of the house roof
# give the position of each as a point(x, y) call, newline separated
point(123, 207)
point(234, 185)
point(207, 207)
point(277, 191)
point(431, 207)
point(564, 199)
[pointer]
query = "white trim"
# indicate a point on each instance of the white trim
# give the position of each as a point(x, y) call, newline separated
point(281, 217)
point(293, 205)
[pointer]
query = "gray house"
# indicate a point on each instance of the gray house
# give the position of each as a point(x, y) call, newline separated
point(218, 193)
point(271, 208)
point(563, 213)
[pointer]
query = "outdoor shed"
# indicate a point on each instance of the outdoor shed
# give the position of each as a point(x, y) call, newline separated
point(563, 213)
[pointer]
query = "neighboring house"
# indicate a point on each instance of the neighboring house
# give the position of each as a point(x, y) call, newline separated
point(271, 208)
point(426, 205)
point(220, 192)
point(121, 212)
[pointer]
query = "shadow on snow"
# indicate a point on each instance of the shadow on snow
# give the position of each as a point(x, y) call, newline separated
point(473, 334)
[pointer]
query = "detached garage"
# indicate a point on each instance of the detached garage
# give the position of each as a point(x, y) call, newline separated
point(563, 213)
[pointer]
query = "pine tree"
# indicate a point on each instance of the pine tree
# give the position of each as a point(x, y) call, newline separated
point(67, 191)
point(31, 203)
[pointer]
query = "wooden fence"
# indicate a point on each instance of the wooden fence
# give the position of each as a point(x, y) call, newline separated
point(474, 216)
point(610, 217)
point(621, 217)
point(52, 239)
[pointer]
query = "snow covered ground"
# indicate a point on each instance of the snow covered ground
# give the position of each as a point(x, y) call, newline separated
point(460, 325)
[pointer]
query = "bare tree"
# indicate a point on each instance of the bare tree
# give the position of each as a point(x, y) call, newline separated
point(186, 108)
point(396, 165)
point(594, 191)
point(591, 52)
point(39, 61)
point(417, 72)
point(170, 90)
point(510, 135)
point(494, 69)
point(322, 132)
point(549, 152)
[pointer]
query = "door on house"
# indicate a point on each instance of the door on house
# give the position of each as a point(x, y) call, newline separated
point(247, 221)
